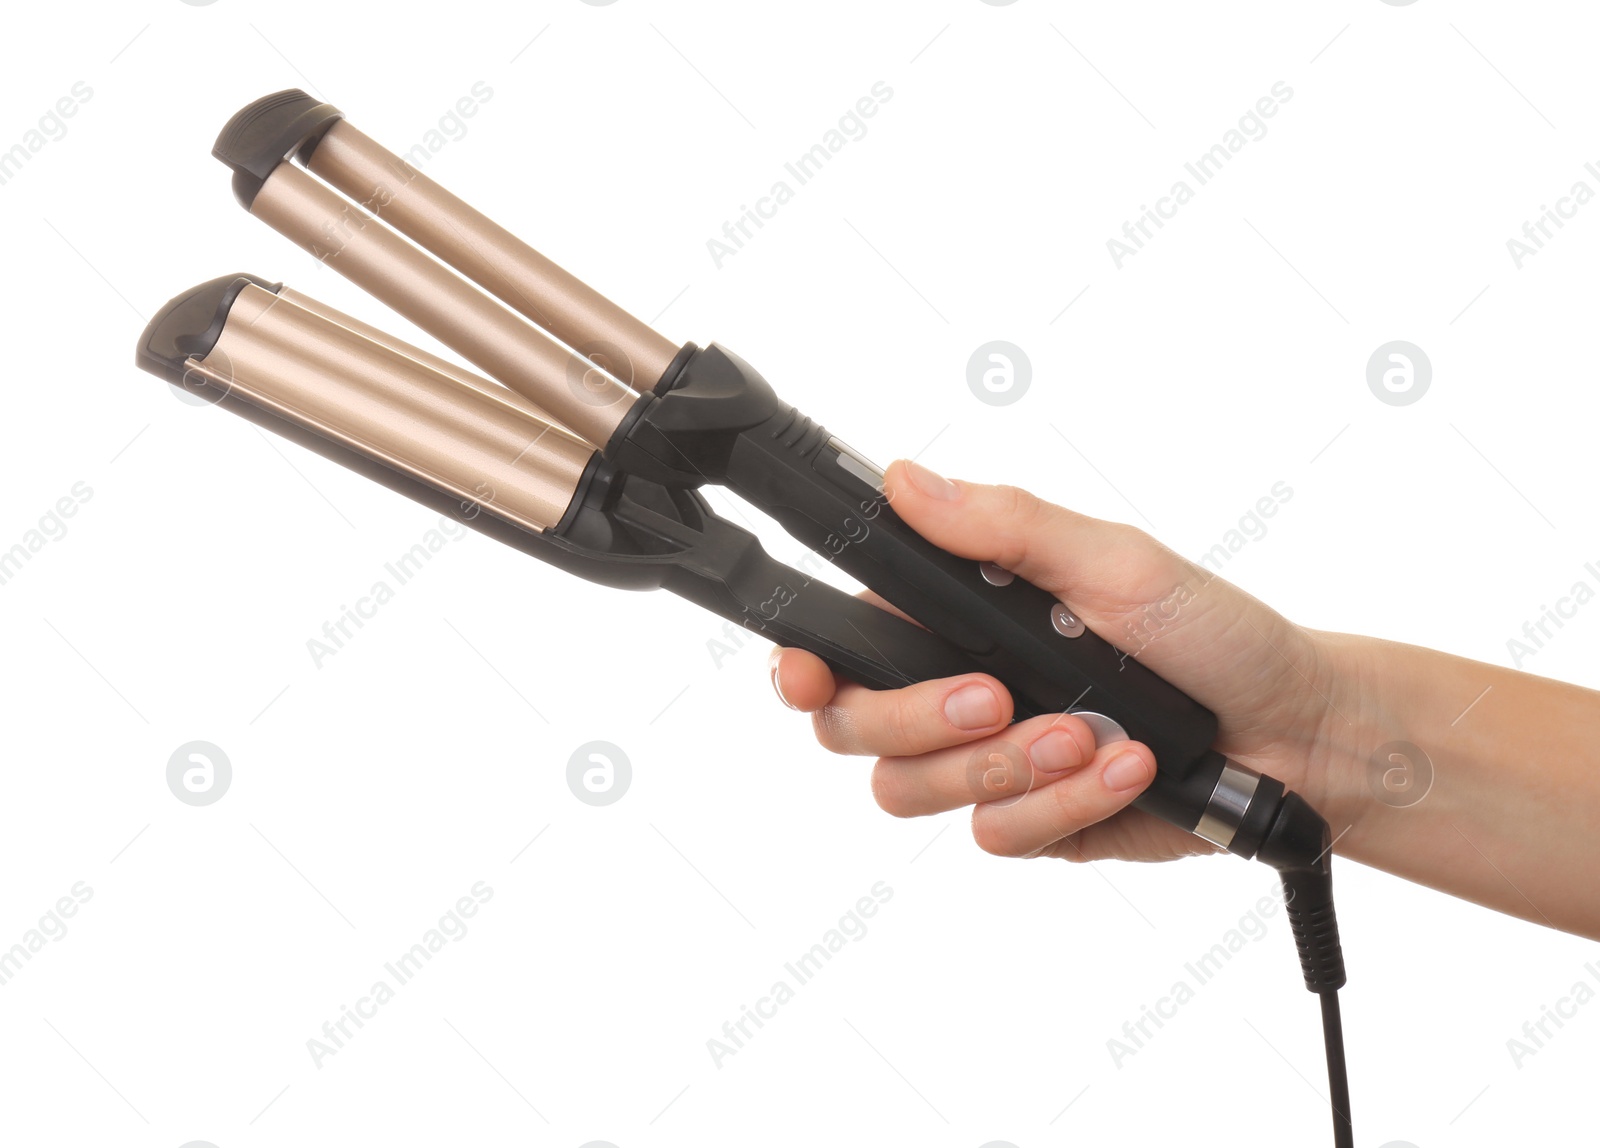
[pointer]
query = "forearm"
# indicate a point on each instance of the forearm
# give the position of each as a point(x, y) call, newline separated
point(1511, 816)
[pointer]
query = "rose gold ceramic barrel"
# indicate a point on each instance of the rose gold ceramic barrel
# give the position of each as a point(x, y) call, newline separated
point(490, 255)
point(508, 348)
point(451, 431)
point(443, 366)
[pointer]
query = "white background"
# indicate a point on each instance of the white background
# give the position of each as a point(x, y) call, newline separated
point(369, 794)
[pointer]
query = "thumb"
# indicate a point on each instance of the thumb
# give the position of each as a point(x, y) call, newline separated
point(1106, 567)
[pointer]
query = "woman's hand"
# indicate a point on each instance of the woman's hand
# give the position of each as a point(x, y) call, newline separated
point(1040, 787)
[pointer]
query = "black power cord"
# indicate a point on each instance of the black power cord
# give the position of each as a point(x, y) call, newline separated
point(1338, 1079)
point(1299, 846)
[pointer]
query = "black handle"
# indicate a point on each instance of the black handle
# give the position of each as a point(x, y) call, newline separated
point(1024, 636)
point(719, 421)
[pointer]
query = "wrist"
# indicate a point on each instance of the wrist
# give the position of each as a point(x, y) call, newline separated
point(1395, 724)
point(1490, 792)
point(1365, 690)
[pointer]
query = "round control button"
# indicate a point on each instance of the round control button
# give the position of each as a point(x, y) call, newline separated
point(996, 575)
point(1105, 729)
point(1066, 623)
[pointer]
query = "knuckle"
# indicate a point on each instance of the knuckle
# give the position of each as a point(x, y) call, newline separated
point(991, 835)
point(1125, 536)
point(832, 729)
point(1021, 518)
point(901, 726)
point(1068, 806)
point(1070, 848)
point(888, 790)
point(1135, 545)
point(1019, 504)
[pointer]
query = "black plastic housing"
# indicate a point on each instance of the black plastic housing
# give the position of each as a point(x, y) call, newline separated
point(625, 532)
point(1300, 846)
point(719, 421)
point(190, 325)
point(263, 133)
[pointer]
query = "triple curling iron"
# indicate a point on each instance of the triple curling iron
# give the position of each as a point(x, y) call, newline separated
point(589, 449)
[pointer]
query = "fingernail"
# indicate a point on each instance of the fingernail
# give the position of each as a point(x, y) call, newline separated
point(1057, 750)
point(777, 686)
point(931, 484)
point(1128, 770)
point(972, 707)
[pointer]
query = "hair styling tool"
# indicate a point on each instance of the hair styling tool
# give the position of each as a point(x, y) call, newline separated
point(593, 458)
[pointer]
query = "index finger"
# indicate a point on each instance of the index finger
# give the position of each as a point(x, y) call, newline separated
point(920, 718)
